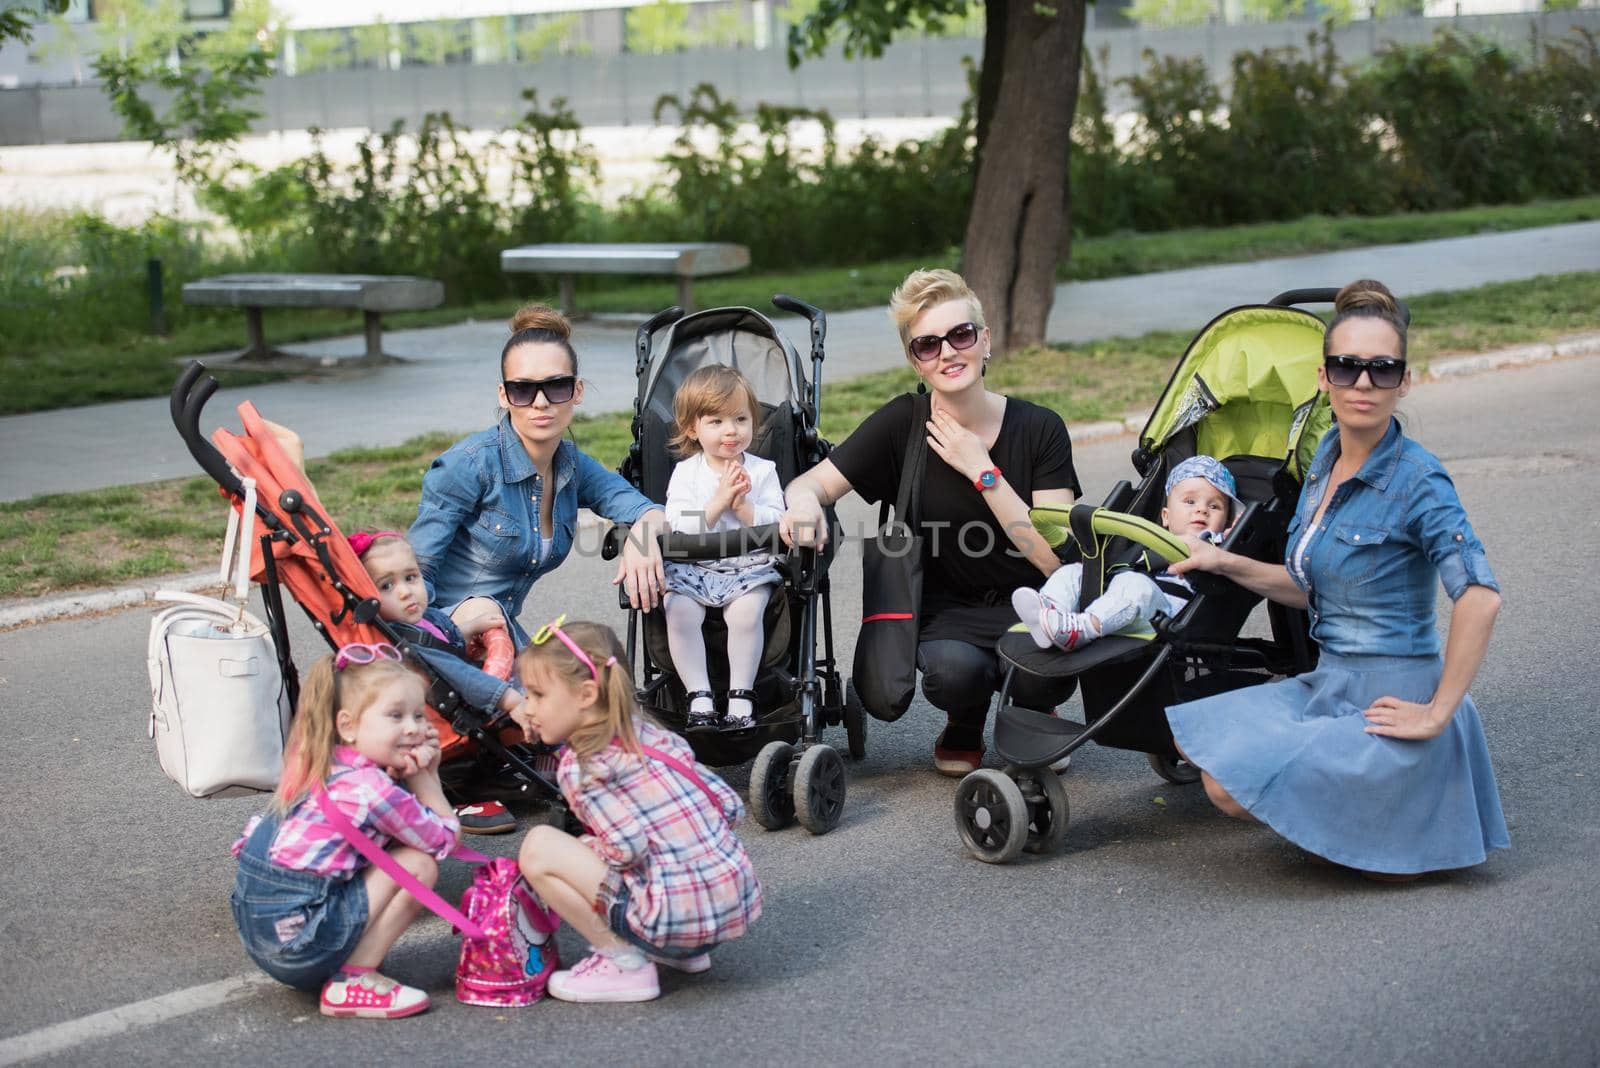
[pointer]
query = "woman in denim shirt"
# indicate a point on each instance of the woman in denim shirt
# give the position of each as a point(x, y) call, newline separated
point(1376, 760)
point(500, 508)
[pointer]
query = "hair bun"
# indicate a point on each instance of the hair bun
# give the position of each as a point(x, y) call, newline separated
point(1366, 293)
point(541, 317)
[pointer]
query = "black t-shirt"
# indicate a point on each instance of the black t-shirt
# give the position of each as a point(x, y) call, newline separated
point(970, 566)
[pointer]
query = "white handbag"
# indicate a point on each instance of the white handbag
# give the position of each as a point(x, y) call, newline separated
point(219, 710)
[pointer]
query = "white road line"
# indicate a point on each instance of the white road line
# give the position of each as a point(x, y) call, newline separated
point(125, 1018)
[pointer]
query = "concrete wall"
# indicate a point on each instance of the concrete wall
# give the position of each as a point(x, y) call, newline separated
point(913, 79)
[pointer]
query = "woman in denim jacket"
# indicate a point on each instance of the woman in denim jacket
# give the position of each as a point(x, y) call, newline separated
point(1376, 760)
point(500, 508)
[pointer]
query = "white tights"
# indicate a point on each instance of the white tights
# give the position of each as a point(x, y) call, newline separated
point(686, 640)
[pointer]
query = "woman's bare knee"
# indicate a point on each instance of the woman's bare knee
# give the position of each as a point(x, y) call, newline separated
point(1223, 800)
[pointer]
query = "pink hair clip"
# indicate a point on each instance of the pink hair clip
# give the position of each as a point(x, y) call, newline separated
point(362, 540)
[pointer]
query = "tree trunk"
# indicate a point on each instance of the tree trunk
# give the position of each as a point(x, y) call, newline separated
point(1019, 197)
point(994, 43)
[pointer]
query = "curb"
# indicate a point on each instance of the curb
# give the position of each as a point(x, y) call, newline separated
point(1514, 356)
point(89, 603)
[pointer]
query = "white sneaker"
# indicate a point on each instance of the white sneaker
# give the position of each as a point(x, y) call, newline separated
point(1029, 607)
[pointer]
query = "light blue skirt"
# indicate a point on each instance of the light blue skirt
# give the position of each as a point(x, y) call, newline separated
point(1296, 754)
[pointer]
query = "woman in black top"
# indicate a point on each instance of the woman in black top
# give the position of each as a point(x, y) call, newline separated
point(991, 458)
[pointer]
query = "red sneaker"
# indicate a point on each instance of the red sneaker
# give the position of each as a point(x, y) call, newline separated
point(955, 763)
point(371, 996)
point(486, 817)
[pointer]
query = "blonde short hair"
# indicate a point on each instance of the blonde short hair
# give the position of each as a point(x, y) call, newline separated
point(711, 389)
point(926, 289)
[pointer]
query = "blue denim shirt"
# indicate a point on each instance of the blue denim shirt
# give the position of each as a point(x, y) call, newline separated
point(1370, 566)
point(477, 530)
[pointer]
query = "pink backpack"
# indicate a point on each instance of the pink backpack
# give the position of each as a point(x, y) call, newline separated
point(511, 963)
point(507, 948)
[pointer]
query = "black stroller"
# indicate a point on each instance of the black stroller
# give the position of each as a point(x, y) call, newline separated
point(1245, 392)
point(797, 693)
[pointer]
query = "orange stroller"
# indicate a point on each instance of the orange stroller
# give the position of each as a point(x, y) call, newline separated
point(302, 549)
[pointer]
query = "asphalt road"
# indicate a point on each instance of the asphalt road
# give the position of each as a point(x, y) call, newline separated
point(1163, 932)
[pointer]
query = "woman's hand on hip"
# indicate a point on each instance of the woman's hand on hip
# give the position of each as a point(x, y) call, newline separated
point(1394, 718)
point(958, 446)
point(640, 572)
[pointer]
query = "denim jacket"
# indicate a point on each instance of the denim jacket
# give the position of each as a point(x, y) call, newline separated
point(1370, 567)
point(477, 530)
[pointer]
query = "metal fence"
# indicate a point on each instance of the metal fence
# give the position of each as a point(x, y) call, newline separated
point(913, 79)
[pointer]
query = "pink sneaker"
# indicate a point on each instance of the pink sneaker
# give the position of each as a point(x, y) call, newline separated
point(371, 996)
point(700, 962)
point(599, 978)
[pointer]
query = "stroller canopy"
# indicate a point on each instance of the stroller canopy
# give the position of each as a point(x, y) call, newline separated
point(743, 339)
point(1248, 385)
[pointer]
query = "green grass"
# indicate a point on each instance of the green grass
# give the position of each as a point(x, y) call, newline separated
point(138, 365)
point(61, 542)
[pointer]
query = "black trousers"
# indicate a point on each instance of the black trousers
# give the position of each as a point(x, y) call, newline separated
point(958, 678)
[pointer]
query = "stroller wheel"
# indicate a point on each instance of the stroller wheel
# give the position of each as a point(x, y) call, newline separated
point(855, 722)
point(1047, 812)
point(771, 803)
point(1175, 770)
point(991, 816)
point(819, 787)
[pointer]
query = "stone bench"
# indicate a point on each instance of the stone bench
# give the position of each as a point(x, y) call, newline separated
point(684, 261)
point(371, 294)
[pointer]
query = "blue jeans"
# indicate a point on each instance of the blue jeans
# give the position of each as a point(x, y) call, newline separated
point(298, 927)
point(617, 920)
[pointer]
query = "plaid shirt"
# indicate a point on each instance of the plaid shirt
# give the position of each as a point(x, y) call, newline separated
point(374, 804)
point(689, 881)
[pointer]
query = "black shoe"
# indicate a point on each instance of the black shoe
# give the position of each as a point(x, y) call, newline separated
point(700, 721)
point(737, 723)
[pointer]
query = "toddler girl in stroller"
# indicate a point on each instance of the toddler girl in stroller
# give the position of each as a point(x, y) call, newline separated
point(718, 486)
point(445, 646)
point(1202, 501)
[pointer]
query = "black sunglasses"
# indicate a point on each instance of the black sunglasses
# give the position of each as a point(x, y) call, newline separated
point(520, 392)
point(962, 336)
point(1384, 372)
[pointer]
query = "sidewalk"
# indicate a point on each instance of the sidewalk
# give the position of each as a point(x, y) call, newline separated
point(449, 381)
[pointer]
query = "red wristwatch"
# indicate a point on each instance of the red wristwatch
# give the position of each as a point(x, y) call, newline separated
point(987, 479)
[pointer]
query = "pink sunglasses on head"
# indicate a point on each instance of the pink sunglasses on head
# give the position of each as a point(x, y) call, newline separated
point(362, 653)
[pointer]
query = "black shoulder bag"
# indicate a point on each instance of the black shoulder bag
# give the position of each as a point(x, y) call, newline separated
point(885, 669)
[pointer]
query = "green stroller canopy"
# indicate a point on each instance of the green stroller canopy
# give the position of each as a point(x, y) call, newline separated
point(1248, 386)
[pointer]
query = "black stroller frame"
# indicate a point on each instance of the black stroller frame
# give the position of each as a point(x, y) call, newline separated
point(1125, 686)
point(795, 776)
point(188, 398)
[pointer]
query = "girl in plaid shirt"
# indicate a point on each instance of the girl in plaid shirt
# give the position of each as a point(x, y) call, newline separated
point(310, 910)
point(660, 878)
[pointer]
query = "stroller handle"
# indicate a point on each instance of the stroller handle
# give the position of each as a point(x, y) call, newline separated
point(186, 403)
point(813, 315)
point(1290, 297)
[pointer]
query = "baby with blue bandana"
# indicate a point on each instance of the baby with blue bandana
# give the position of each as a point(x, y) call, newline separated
point(1202, 500)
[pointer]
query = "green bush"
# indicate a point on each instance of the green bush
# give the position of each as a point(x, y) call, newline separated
point(793, 208)
point(1459, 120)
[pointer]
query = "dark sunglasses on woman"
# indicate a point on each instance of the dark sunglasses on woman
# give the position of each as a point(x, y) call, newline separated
point(962, 336)
point(520, 392)
point(1384, 372)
